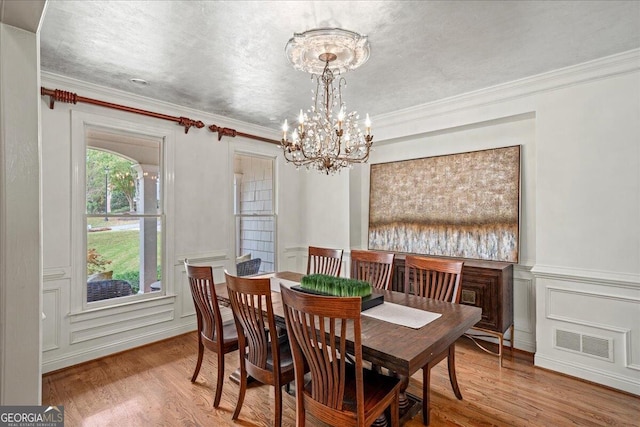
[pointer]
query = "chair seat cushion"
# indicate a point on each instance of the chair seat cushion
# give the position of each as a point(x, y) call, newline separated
point(228, 331)
point(286, 358)
point(376, 387)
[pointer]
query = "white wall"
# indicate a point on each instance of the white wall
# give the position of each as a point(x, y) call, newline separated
point(325, 209)
point(588, 231)
point(20, 225)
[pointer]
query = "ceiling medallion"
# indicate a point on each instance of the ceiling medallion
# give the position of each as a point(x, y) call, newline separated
point(326, 137)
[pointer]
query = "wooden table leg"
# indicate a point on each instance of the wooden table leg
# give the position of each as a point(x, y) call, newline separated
point(426, 379)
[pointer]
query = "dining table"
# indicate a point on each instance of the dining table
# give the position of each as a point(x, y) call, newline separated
point(401, 349)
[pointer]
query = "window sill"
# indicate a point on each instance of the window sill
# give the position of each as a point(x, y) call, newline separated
point(131, 303)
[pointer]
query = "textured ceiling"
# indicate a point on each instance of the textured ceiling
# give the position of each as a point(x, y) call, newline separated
point(228, 57)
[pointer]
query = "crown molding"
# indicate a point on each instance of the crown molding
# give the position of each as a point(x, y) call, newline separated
point(409, 121)
point(419, 119)
point(91, 90)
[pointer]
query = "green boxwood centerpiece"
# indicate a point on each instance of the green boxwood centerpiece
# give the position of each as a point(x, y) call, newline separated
point(337, 286)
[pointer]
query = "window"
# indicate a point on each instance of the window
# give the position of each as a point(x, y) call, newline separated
point(108, 155)
point(122, 234)
point(254, 211)
point(124, 220)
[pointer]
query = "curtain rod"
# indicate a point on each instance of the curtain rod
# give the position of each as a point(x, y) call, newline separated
point(233, 133)
point(73, 98)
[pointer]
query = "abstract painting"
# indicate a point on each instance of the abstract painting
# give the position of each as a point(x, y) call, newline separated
point(460, 205)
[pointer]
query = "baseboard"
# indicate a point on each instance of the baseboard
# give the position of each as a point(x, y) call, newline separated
point(626, 384)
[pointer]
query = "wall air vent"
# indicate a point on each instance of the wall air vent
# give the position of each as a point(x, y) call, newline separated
point(601, 348)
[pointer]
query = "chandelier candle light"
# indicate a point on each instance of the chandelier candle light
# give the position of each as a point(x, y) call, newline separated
point(326, 137)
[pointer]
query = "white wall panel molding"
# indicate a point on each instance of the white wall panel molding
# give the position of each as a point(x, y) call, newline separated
point(122, 309)
point(595, 277)
point(203, 258)
point(218, 260)
point(421, 119)
point(628, 355)
point(290, 262)
point(295, 258)
point(83, 354)
point(590, 330)
point(187, 308)
point(589, 373)
point(51, 308)
point(116, 325)
point(524, 298)
point(599, 296)
point(51, 274)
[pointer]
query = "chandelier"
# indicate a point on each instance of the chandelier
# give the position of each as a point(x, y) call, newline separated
point(327, 137)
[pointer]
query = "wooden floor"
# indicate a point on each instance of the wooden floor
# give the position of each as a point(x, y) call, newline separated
point(150, 386)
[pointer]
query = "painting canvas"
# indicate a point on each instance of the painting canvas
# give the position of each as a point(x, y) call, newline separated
point(461, 205)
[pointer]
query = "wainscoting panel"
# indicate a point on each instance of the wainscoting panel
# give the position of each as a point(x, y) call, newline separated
point(115, 325)
point(218, 262)
point(589, 327)
point(72, 338)
point(51, 323)
point(294, 259)
point(524, 309)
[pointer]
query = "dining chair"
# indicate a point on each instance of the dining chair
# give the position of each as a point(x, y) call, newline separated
point(212, 333)
point(339, 393)
point(438, 279)
point(324, 261)
point(373, 267)
point(263, 355)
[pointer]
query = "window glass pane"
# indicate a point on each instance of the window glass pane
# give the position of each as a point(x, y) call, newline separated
point(148, 192)
point(114, 254)
point(123, 216)
point(254, 208)
point(111, 183)
point(257, 239)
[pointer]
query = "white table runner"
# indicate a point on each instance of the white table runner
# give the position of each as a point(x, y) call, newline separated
point(401, 315)
point(389, 312)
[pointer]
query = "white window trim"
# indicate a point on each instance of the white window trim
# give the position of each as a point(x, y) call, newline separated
point(78, 289)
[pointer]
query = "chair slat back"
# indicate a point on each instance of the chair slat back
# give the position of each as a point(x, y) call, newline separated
point(324, 261)
point(374, 267)
point(433, 278)
point(313, 324)
point(250, 298)
point(204, 297)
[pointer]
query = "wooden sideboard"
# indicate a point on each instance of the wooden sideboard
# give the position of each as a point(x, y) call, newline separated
point(485, 284)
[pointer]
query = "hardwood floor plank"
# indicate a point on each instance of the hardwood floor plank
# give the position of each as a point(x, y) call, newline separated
point(150, 386)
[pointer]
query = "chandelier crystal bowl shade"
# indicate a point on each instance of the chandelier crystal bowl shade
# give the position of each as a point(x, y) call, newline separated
point(326, 136)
